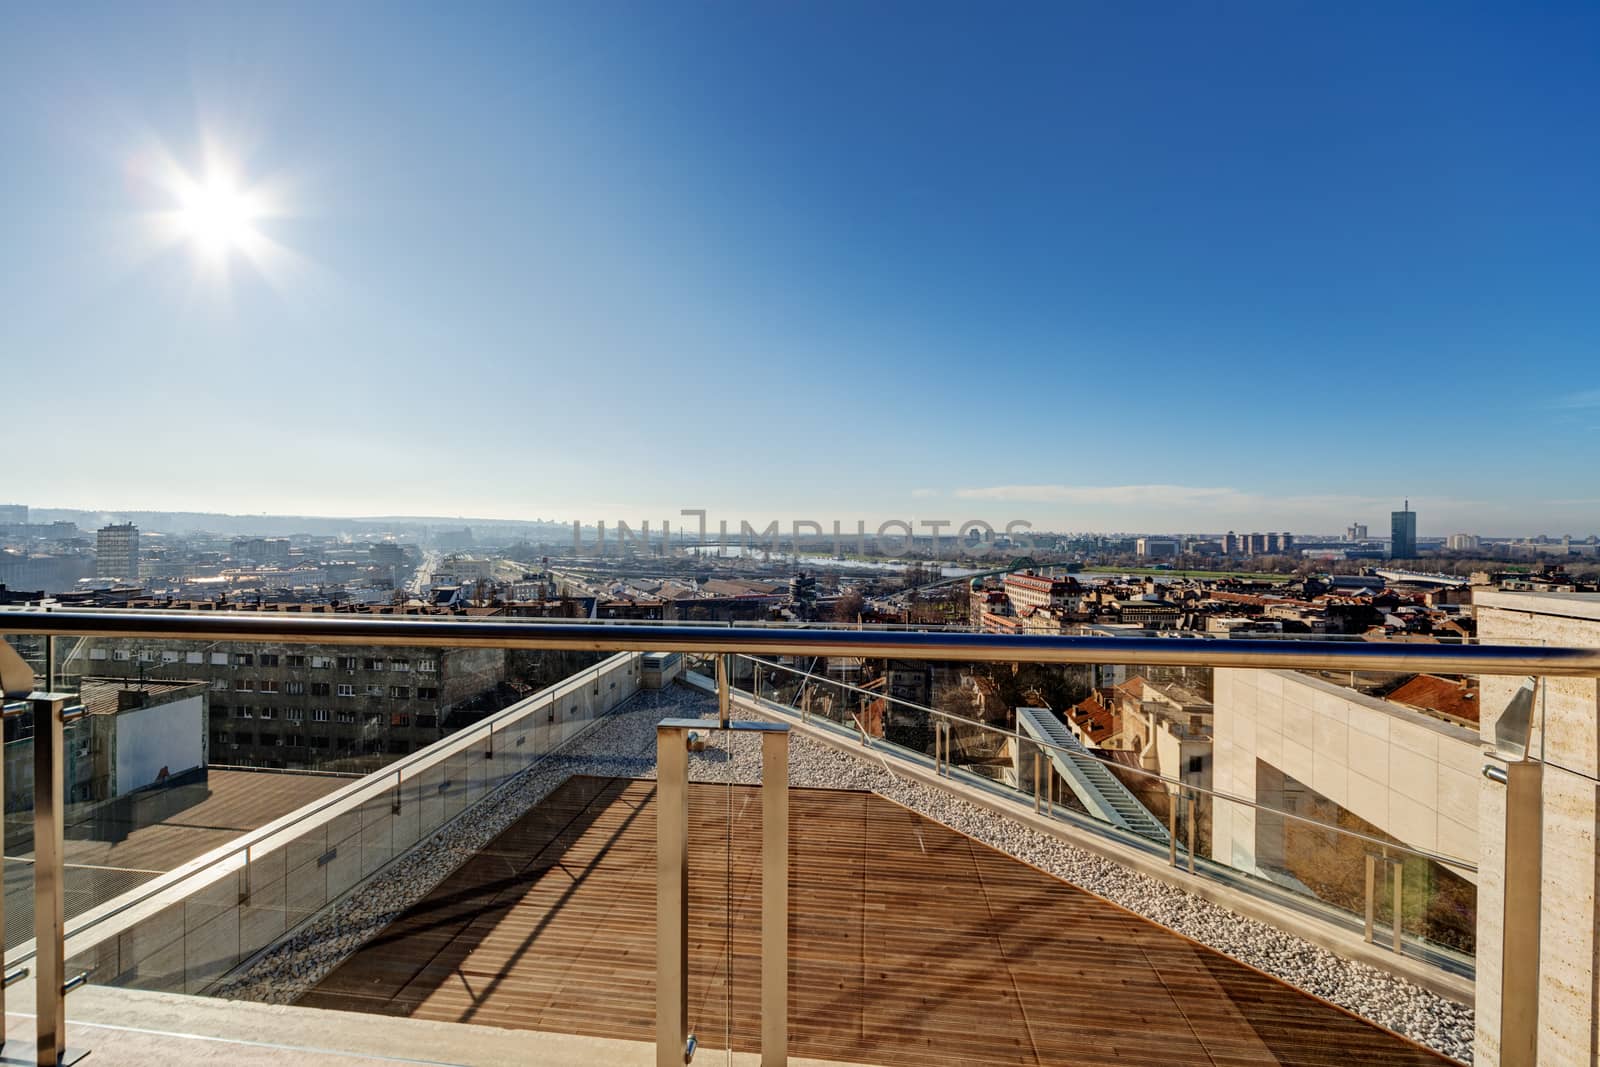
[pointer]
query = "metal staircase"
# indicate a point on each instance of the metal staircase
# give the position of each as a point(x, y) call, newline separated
point(1091, 781)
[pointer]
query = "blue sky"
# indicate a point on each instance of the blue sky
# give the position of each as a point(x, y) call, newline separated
point(1109, 266)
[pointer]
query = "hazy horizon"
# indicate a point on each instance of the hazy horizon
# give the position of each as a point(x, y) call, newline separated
point(759, 521)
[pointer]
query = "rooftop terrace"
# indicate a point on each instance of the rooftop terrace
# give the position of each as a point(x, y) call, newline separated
point(113, 847)
point(910, 944)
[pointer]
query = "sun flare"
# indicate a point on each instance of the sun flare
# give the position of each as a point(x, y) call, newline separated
point(216, 216)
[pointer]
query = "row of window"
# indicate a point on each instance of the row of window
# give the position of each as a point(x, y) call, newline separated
point(266, 659)
point(322, 689)
point(347, 718)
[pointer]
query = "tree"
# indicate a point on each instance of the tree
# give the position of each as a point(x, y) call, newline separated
point(848, 607)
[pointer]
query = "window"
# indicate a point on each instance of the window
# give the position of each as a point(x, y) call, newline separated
point(268, 685)
point(428, 666)
point(428, 721)
point(194, 657)
point(347, 717)
point(319, 742)
point(346, 689)
point(244, 659)
point(169, 657)
point(245, 685)
point(427, 693)
point(294, 661)
point(147, 655)
point(97, 653)
point(120, 655)
point(294, 688)
point(242, 712)
point(348, 663)
point(399, 720)
point(269, 659)
point(374, 690)
point(319, 662)
point(220, 711)
point(319, 714)
point(219, 659)
point(218, 684)
point(320, 689)
point(297, 740)
point(399, 665)
point(371, 718)
point(294, 715)
point(400, 692)
point(268, 713)
point(1196, 764)
point(219, 737)
point(372, 664)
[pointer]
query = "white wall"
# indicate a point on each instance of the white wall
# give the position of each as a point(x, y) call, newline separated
point(168, 735)
point(1412, 776)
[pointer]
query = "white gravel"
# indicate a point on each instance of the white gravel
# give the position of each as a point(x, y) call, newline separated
point(624, 745)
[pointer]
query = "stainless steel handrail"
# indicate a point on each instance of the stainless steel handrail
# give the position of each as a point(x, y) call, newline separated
point(484, 633)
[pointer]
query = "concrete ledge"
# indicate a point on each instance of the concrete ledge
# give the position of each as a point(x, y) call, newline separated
point(131, 1026)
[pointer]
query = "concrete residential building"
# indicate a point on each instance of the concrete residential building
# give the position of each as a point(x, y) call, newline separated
point(117, 552)
point(311, 705)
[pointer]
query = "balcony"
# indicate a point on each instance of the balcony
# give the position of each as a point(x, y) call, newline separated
point(950, 895)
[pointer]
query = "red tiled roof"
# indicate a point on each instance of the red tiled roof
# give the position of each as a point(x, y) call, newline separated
point(1426, 692)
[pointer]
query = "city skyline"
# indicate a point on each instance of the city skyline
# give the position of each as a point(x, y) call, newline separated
point(1087, 267)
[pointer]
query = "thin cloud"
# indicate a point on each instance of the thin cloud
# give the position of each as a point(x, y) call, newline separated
point(1588, 398)
point(1166, 495)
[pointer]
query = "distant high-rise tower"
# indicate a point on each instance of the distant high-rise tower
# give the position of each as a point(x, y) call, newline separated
point(117, 552)
point(1356, 531)
point(1403, 533)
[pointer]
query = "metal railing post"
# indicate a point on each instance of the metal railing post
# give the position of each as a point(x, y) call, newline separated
point(774, 898)
point(1371, 897)
point(1172, 827)
point(1397, 871)
point(672, 896)
point(49, 904)
point(724, 698)
point(1524, 873)
point(1191, 802)
point(1036, 781)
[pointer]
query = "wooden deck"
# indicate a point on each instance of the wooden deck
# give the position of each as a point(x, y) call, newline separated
point(909, 944)
point(109, 851)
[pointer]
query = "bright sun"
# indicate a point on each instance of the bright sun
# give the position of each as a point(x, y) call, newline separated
point(216, 216)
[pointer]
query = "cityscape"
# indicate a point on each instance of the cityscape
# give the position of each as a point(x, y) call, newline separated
point(856, 535)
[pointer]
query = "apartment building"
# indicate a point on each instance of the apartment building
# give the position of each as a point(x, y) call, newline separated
point(1030, 590)
point(117, 552)
point(309, 705)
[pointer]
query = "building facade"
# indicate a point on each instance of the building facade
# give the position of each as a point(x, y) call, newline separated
point(117, 552)
point(1403, 533)
point(309, 705)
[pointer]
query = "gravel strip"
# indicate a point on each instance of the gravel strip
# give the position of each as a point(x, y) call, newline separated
point(623, 745)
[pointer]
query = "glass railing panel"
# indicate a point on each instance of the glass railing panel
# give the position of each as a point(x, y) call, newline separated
point(1140, 770)
point(264, 914)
